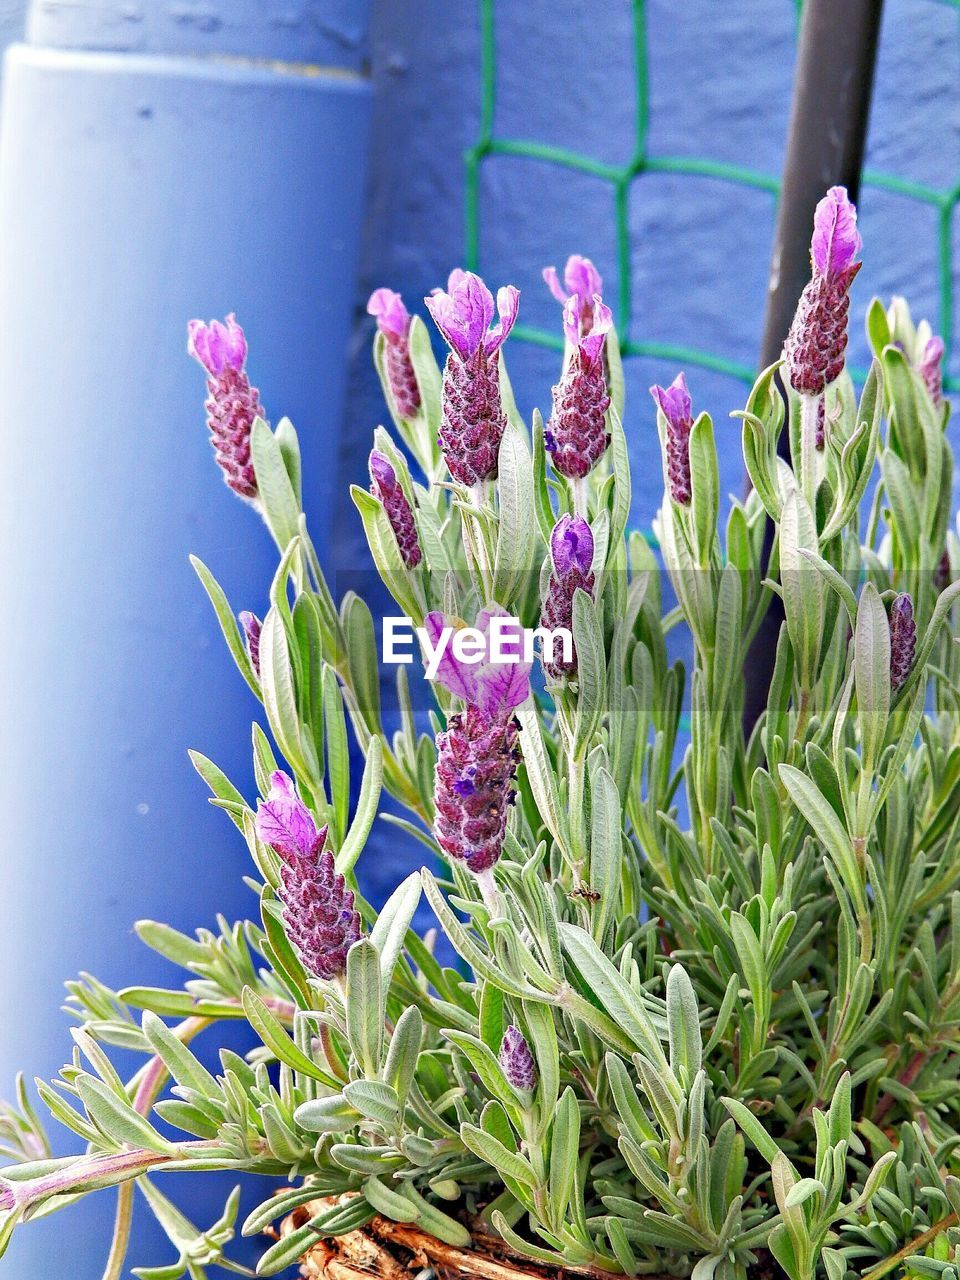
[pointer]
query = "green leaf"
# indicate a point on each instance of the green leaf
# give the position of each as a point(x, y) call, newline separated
point(229, 627)
point(517, 523)
point(281, 509)
point(271, 1032)
point(390, 931)
point(117, 1118)
point(683, 1025)
point(364, 1003)
point(564, 1156)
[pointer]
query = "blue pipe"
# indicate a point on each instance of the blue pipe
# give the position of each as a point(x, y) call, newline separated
point(157, 162)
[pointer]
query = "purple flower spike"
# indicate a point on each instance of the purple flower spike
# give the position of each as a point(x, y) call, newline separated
point(903, 640)
point(232, 404)
point(494, 687)
point(583, 281)
point(571, 550)
point(473, 420)
point(252, 627)
point(576, 436)
point(393, 321)
point(817, 340)
point(677, 408)
point(388, 489)
point(318, 908)
point(930, 369)
point(517, 1060)
point(477, 758)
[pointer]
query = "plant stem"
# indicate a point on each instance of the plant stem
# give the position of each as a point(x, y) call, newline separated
point(920, 1242)
point(809, 459)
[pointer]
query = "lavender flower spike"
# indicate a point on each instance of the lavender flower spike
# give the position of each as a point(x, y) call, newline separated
point(817, 340)
point(478, 754)
point(571, 550)
point(393, 321)
point(583, 281)
point(903, 640)
point(232, 404)
point(930, 369)
point(473, 419)
point(517, 1060)
point(676, 406)
point(385, 486)
point(318, 912)
point(576, 436)
point(252, 627)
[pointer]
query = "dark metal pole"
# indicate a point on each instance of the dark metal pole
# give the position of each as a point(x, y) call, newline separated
point(825, 143)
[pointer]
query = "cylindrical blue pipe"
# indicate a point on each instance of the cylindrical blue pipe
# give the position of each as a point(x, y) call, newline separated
point(157, 162)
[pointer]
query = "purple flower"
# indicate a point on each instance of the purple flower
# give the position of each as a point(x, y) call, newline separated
point(464, 314)
point(676, 406)
point(232, 404)
point(930, 369)
point(218, 346)
point(8, 1197)
point(386, 487)
point(903, 640)
point(494, 687)
point(393, 321)
point(252, 627)
point(571, 551)
point(473, 420)
point(318, 908)
point(836, 240)
point(583, 281)
point(517, 1060)
point(817, 340)
point(477, 758)
point(576, 435)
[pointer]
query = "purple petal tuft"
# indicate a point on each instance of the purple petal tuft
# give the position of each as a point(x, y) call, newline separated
point(836, 240)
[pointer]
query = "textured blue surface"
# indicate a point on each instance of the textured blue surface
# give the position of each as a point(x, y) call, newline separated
point(137, 190)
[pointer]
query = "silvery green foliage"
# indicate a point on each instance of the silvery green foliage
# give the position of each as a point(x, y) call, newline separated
point(738, 975)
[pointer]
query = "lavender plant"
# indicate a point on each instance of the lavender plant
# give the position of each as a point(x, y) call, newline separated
point(706, 1017)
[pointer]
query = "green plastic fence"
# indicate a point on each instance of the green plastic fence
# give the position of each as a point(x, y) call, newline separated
point(621, 178)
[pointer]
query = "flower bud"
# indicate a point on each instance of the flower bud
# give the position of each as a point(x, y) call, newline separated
point(318, 908)
point(930, 369)
point(232, 404)
point(516, 1060)
point(903, 640)
point(817, 340)
point(252, 626)
point(677, 408)
point(576, 436)
point(571, 551)
point(393, 321)
point(473, 420)
point(385, 486)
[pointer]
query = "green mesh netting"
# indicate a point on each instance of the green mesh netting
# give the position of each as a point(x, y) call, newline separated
point(620, 179)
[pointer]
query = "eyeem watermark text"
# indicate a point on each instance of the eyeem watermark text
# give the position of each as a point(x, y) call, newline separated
point(505, 642)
